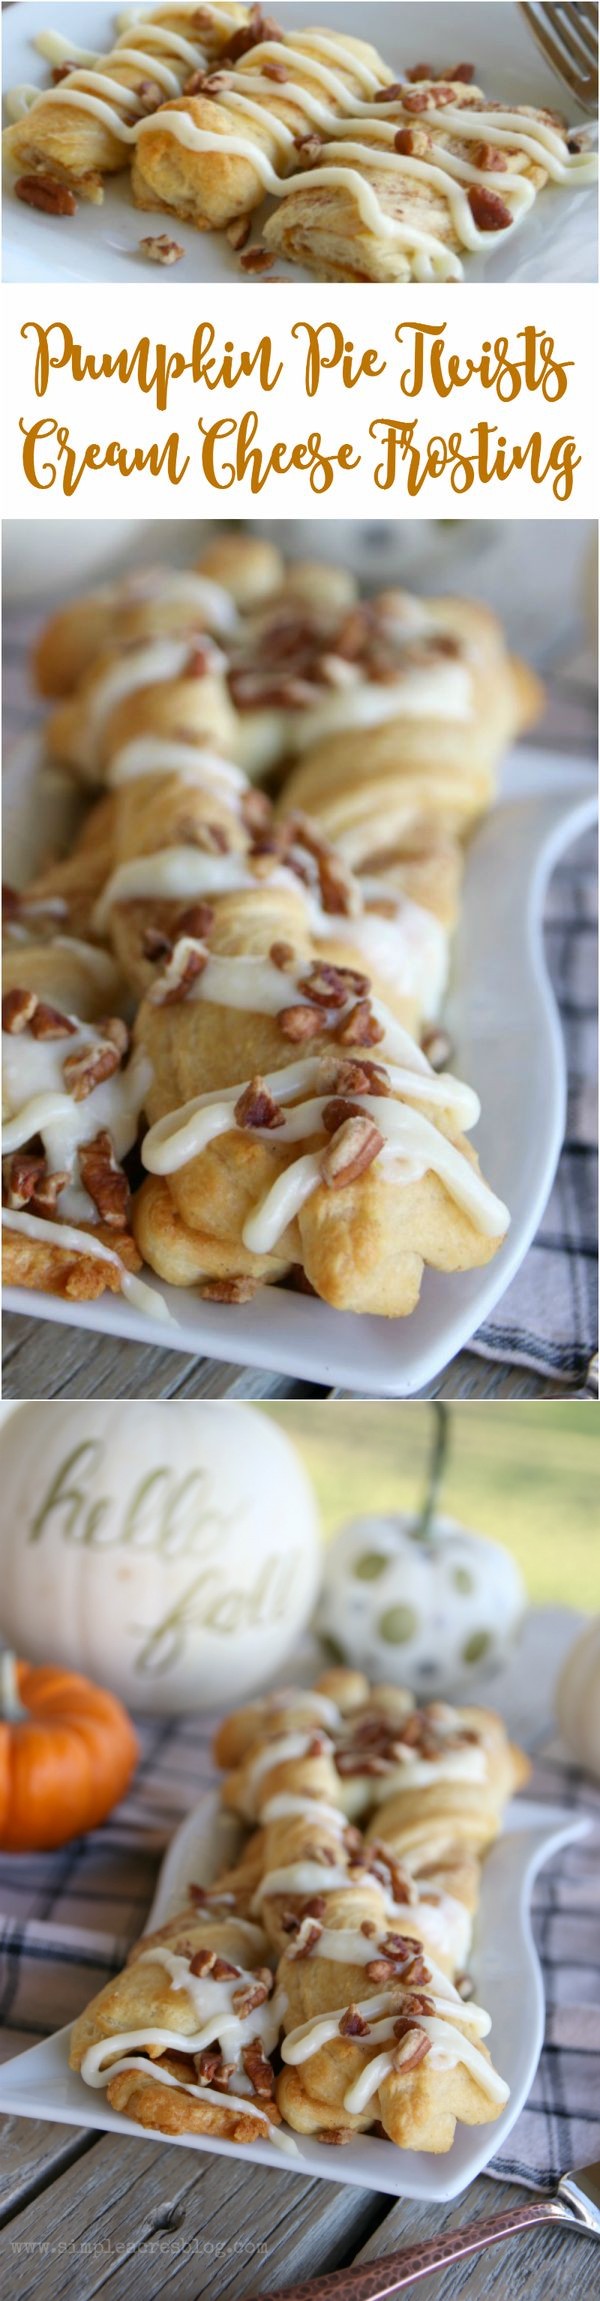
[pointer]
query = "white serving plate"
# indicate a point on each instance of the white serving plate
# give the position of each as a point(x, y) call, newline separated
point(508, 1982)
point(557, 241)
point(505, 1028)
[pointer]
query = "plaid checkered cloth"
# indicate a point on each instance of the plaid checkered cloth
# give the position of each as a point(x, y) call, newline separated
point(67, 1920)
point(547, 1318)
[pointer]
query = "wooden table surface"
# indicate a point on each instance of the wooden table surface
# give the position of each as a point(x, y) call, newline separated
point(136, 2220)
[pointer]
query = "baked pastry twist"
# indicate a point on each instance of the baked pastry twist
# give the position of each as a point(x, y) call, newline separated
point(84, 128)
point(71, 1109)
point(375, 2033)
point(230, 1197)
point(418, 179)
point(210, 156)
point(181, 2040)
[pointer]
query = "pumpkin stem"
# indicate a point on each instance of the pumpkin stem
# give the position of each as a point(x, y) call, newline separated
point(422, 1531)
point(12, 1709)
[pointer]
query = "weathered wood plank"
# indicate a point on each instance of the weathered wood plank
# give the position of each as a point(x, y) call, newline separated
point(41, 1363)
point(31, 2154)
point(179, 2222)
point(537, 2265)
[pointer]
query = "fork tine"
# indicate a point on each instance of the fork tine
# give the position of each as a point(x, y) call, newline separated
point(545, 38)
point(578, 33)
point(556, 39)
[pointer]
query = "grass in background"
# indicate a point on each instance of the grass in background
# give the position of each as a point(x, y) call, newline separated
point(526, 1475)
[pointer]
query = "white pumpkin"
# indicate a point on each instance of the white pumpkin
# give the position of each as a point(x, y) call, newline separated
point(430, 1614)
point(578, 1699)
point(169, 1551)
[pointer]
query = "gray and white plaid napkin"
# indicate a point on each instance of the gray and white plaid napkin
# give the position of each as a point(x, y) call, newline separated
point(66, 1921)
point(547, 1319)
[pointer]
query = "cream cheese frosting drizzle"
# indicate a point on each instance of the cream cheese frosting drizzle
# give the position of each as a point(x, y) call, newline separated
point(64, 1234)
point(166, 755)
point(37, 1102)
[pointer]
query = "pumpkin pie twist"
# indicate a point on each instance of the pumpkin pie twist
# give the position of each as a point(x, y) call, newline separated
point(286, 1106)
point(84, 127)
point(420, 177)
point(72, 1097)
point(181, 2040)
point(376, 2036)
point(213, 153)
point(428, 1785)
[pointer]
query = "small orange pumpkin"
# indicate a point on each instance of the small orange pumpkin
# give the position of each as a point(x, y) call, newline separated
point(67, 1753)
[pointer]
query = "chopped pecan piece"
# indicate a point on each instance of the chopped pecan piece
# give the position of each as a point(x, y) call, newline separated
point(251, 34)
point(381, 1969)
point(335, 1113)
point(115, 1030)
point(464, 72)
point(412, 2049)
point(187, 962)
point(105, 1181)
point(350, 1152)
point(299, 1023)
point(412, 143)
point(282, 955)
point(229, 1289)
point(22, 1173)
point(238, 232)
point(49, 1023)
point(352, 2023)
point(421, 72)
point(309, 149)
point(389, 95)
point(273, 71)
point(256, 1107)
point(223, 1970)
point(258, 2069)
point(246, 2000)
point(161, 250)
point(336, 2136)
point(329, 986)
point(18, 1008)
point(489, 157)
point(88, 1067)
point(203, 1961)
point(61, 71)
point(489, 212)
point(361, 1028)
point(310, 1934)
point(316, 1907)
point(149, 95)
point(257, 259)
point(46, 193)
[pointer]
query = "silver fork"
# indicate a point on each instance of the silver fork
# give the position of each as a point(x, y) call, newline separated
point(567, 32)
point(575, 2205)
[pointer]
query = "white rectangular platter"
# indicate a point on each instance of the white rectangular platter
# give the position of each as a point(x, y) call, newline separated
point(558, 240)
point(506, 1033)
point(507, 1981)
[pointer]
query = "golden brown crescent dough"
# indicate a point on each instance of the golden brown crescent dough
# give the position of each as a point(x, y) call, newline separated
point(210, 156)
point(82, 129)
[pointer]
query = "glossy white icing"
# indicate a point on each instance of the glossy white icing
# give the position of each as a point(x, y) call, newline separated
point(37, 1102)
point(63, 1234)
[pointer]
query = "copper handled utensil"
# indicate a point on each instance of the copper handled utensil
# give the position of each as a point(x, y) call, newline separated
point(574, 2205)
point(567, 33)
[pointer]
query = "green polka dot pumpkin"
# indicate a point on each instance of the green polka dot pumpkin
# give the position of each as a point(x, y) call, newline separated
point(425, 1615)
point(420, 1601)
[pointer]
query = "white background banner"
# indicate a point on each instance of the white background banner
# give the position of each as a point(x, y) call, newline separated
point(384, 404)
